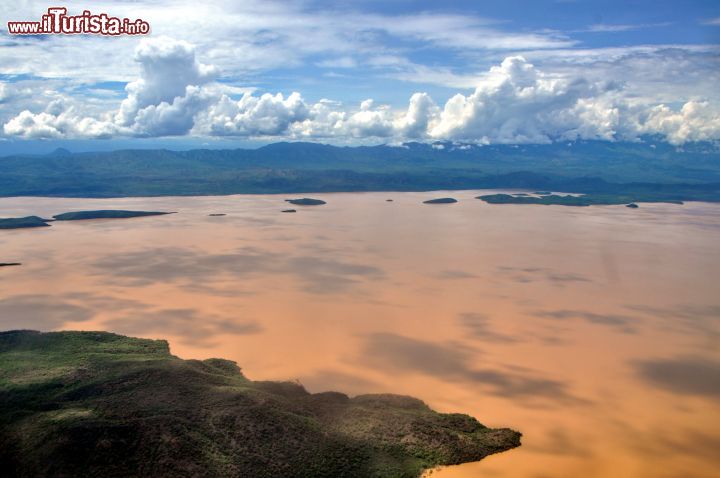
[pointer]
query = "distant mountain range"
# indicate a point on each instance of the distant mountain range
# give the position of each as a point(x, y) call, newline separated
point(647, 170)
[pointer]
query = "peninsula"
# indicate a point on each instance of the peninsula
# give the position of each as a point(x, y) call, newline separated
point(100, 404)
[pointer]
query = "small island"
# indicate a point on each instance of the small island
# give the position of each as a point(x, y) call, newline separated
point(577, 200)
point(289, 210)
point(10, 264)
point(217, 214)
point(101, 404)
point(552, 199)
point(441, 201)
point(306, 202)
point(106, 214)
point(23, 222)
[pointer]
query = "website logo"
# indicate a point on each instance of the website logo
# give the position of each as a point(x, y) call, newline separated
point(58, 22)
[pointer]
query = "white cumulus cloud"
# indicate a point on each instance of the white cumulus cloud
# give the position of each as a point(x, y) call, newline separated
point(513, 102)
point(166, 96)
point(695, 121)
point(59, 119)
point(266, 115)
point(163, 101)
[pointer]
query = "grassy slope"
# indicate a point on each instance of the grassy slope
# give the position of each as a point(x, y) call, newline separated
point(99, 404)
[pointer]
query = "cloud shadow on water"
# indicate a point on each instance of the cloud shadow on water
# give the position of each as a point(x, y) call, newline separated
point(623, 323)
point(682, 375)
point(480, 326)
point(558, 441)
point(322, 275)
point(525, 275)
point(451, 362)
point(456, 274)
point(702, 322)
point(149, 266)
point(187, 267)
point(190, 326)
point(658, 443)
point(40, 312)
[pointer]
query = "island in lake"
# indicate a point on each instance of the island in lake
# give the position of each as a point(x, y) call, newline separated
point(100, 404)
point(569, 200)
point(106, 214)
point(441, 201)
point(37, 221)
point(306, 202)
point(23, 222)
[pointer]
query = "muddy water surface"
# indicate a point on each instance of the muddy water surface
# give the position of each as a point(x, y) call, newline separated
point(594, 331)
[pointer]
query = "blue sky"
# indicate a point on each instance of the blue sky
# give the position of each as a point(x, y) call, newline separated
point(244, 73)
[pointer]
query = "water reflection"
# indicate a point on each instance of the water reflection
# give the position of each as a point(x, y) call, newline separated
point(594, 330)
point(37, 311)
point(451, 361)
point(685, 375)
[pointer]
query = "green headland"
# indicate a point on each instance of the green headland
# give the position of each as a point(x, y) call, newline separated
point(100, 404)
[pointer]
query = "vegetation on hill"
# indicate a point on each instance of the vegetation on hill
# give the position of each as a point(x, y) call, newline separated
point(648, 169)
point(100, 404)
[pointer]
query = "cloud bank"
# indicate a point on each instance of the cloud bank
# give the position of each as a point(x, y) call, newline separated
point(513, 102)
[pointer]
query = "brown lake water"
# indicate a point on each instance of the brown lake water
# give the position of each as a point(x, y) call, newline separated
point(594, 331)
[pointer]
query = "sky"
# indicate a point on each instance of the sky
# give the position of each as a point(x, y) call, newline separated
point(243, 73)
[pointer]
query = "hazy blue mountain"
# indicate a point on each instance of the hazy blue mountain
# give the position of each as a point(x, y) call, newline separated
point(645, 168)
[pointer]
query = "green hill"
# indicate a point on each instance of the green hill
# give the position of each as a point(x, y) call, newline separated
point(99, 404)
point(646, 170)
